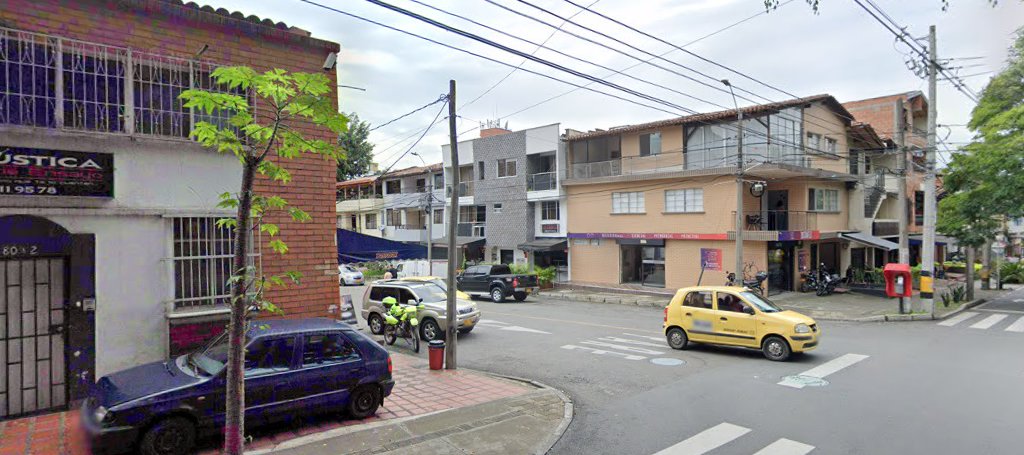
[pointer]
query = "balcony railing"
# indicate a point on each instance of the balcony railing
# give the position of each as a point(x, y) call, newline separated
point(779, 220)
point(690, 160)
point(465, 189)
point(358, 197)
point(542, 182)
point(54, 82)
point(470, 229)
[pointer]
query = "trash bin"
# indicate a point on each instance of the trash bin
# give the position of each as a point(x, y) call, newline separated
point(436, 355)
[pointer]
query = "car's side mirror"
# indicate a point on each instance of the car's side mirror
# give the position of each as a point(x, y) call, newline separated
point(412, 302)
point(748, 310)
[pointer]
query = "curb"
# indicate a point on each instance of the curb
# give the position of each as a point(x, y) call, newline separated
point(567, 415)
point(964, 307)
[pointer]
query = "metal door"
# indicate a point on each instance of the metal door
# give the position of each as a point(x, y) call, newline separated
point(32, 330)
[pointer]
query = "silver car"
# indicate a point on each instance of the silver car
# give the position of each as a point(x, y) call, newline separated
point(348, 275)
point(432, 318)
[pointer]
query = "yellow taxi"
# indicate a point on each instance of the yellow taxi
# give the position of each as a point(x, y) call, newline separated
point(438, 281)
point(736, 316)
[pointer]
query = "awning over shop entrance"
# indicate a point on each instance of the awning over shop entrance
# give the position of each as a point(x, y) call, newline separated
point(915, 239)
point(869, 240)
point(459, 241)
point(356, 247)
point(544, 244)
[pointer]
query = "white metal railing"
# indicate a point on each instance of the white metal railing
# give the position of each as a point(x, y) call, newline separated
point(201, 262)
point(54, 82)
point(542, 181)
point(707, 158)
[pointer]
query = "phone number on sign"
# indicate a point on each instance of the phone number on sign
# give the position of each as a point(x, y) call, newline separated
point(28, 189)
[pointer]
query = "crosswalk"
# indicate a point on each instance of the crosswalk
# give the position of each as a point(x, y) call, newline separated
point(985, 321)
point(724, 433)
point(627, 346)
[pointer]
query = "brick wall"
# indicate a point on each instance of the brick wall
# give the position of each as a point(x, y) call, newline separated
point(180, 31)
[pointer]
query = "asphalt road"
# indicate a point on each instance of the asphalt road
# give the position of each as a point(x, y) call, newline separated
point(899, 388)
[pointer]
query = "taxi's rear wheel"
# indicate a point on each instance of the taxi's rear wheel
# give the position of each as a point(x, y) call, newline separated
point(677, 338)
point(776, 349)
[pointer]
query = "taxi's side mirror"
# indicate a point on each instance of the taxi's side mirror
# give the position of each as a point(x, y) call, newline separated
point(748, 310)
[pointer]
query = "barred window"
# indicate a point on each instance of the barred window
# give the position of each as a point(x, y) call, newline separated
point(202, 260)
point(632, 202)
point(684, 201)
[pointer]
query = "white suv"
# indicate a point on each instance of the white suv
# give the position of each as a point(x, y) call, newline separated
point(432, 318)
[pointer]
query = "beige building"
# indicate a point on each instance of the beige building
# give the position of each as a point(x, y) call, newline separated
point(649, 204)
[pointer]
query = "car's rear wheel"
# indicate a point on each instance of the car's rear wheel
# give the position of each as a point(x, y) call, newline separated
point(519, 296)
point(776, 349)
point(431, 330)
point(376, 324)
point(497, 295)
point(363, 401)
point(171, 436)
point(677, 338)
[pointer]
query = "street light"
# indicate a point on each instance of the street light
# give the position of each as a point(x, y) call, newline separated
point(739, 182)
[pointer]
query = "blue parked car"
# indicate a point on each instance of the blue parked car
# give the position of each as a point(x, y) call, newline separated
point(292, 367)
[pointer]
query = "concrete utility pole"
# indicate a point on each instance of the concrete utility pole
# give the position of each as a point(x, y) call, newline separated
point(430, 226)
point(739, 186)
point(899, 123)
point(452, 332)
point(928, 239)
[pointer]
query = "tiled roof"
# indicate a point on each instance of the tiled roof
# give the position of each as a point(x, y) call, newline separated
point(415, 170)
point(357, 181)
point(238, 15)
point(722, 115)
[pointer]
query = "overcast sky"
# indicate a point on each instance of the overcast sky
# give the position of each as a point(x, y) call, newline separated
point(841, 51)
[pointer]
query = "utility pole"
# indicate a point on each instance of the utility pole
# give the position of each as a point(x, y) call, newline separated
point(899, 123)
point(739, 186)
point(430, 226)
point(453, 212)
point(969, 271)
point(928, 239)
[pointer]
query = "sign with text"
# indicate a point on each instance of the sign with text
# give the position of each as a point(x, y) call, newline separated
point(799, 235)
point(43, 172)
point(549, 228)
point(648, 236)
point(711, 258)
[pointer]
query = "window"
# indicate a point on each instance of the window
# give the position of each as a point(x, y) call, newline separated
point(819, 200)
point(650, 144)
point(632, 202)
point(371, 221)
point(854, 162)
point(831, 146)
point(438, 216)
point(331, 348)
point(353, 222)
point(731, 303)
point(378, 293)
point(421, 185)
point(549, 210)
point(393, 186)
point(393, 217)
point(202, 256)
point(708, 146)
point(506, 168)
point(698, 299)
point(438, 181)
point(497, 208)
point(586, 242)
point(684, 201)
point(480, 170)
point(814, 142)
point(269, 355)
point(918, 208)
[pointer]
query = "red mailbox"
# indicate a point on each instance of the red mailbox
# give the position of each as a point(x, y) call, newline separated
point(898, 281)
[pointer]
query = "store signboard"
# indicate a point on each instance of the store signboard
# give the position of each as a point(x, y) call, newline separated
point(711, 258)
point(45, 172)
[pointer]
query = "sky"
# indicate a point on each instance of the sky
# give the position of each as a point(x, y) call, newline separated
point(840, 51)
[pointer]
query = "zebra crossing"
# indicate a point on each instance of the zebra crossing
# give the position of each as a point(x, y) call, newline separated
point(979, 320)
point(628, 346)
point(725, 433)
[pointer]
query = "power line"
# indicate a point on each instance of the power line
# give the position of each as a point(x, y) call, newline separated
point(382, 125)
point(425, 130)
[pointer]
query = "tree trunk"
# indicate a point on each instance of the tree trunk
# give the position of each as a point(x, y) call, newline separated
point(970, 273)
point(234, 425)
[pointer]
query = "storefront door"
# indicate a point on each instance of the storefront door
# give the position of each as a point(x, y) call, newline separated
point(780, 267)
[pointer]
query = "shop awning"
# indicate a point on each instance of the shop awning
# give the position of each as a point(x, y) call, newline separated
point(356, 247)
point(869, 240)
point(544, 244)
point(915, 239)
point(459, 241)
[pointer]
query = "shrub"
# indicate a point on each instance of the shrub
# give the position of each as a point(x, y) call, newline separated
point(1012, 272)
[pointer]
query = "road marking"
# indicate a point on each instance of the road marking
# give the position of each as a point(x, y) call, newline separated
point(661, 339)
point(623, 347)
point(491, 321)
point(562, 321)
point(603, 352)
point(1018, 300)
point(786, 447)
point(516, 328)
point(989, 321)
point(638, 343)
point(999, 311)
point(825, 369)
point(707, 440)
point(958, 319)
point(1017, 326)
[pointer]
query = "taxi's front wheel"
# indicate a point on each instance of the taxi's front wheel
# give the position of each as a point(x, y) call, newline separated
point(676, 338)
point(776, 349)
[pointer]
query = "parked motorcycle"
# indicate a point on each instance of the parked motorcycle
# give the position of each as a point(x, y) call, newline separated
point(826, 282)
point(755, 284)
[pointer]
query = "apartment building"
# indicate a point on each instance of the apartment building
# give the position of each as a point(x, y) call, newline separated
point(359, 204)
point(512, 204)
point(111, 252)
point(396, 206)
point(652, 204)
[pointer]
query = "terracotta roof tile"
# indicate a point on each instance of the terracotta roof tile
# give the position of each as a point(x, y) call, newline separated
point(237, 15)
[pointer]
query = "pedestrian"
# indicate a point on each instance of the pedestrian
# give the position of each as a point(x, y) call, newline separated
point(393, 271)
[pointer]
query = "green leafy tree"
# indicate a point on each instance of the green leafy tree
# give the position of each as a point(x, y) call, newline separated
point(358, 149)
point(987, 182)
point(261, 139)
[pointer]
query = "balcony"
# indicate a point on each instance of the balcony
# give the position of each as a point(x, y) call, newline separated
point(543, 181)
point(470, 229)
point(360, 203)
point(779, 220)
point(406, 233)
point(465, 189)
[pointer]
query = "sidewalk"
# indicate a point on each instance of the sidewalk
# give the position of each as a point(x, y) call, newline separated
point(482, 409)
point(847, 306)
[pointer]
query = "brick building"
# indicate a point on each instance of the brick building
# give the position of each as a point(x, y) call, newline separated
point(111, 257)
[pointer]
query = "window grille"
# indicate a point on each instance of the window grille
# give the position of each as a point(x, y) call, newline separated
point(202, 260)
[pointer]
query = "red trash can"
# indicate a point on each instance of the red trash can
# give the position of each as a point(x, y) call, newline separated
point(436, 354)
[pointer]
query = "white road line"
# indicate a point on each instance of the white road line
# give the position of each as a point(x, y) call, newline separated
point(786, 447)
point(491, 321)
point(621, 347)
point(988, 322)
point(516, 328)
point(642, 336)
point(1017, 326)
point(707, 440)
point(999, 311)
point(638, 343)
point(826, 369)
point(958, 318)
point(1018, 300)
point(603, 352)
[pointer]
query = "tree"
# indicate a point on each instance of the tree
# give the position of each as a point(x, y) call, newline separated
point(260, 139)
point(358, 149)
point(986, 182)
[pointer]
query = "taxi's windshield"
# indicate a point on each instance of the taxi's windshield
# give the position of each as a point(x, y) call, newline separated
point(763, 304)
